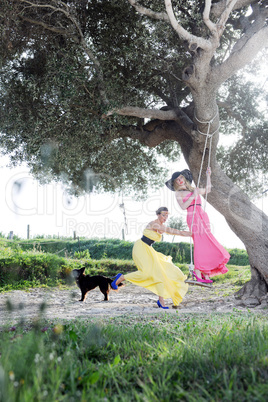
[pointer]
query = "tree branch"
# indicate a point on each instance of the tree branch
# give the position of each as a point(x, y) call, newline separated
point(170, 18)
point(225, 15)
point(155, 133)
point(44, 6)
point(242, 56)
point(148, 12)
point(143, 113)
point(66, 11)
point(251, 29)
point(150, 138)
point(165, 114)
point(211, 26)
point(218, 8)
point(46, 26)
point(229, 110)
point(183, 34)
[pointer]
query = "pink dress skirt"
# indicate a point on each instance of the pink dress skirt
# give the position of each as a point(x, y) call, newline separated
point(210, 256)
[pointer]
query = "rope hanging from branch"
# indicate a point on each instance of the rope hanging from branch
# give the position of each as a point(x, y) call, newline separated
point(209, 136)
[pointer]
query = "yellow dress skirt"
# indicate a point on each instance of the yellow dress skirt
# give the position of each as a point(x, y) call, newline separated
point(156, 271)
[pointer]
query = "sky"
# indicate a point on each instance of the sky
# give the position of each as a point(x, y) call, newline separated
point(49, 210)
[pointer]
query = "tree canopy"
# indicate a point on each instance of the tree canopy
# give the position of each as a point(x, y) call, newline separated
point(69, 68)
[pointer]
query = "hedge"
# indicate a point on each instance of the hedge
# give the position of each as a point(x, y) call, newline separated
point(17, 266)
point(120, 249)
point(104, 248)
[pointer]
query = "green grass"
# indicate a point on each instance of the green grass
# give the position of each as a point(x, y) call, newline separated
point(24, 285)
point(230, 282)
point(237, 275)
point(178, 357)
point(153, 358)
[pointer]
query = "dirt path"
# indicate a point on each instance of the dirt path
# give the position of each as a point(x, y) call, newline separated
point(64, 304)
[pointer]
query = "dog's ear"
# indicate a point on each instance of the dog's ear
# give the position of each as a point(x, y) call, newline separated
point(82, 270)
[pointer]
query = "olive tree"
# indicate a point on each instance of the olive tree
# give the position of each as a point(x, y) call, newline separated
point(99, 89)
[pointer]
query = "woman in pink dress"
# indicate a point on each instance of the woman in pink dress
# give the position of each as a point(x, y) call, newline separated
point(210, 256)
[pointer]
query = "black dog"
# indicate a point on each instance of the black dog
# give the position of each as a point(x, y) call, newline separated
point(87, 283)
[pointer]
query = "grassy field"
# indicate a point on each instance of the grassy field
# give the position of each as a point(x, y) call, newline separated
point(181, 358)
point(189, 357)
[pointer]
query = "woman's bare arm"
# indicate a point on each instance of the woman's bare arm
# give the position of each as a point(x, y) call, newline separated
point(174, 231)
point(185, 204)
point(207, 189)
point(165, 229)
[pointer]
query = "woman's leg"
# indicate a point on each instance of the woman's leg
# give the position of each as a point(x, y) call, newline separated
point(119, 280)
point(162, 301)
point(198, 273)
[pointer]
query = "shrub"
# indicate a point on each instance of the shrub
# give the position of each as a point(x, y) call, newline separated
point(17, 267)
point(105, 248)
point(82, 254)
point(238, 257)
point(116, 249)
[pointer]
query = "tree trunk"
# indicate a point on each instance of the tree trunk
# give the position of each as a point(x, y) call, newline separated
point(250, 225)
point(253, 292)
point(244, 218)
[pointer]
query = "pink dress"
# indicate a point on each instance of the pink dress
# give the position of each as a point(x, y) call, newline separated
point(210, 256)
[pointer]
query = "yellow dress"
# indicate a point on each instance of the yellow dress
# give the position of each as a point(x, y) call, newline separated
point(156, 271)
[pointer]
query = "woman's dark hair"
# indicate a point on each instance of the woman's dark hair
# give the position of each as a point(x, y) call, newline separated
point(161, 209)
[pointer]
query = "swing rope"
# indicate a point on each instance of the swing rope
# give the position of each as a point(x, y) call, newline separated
point(122, 206)
point(208, 136)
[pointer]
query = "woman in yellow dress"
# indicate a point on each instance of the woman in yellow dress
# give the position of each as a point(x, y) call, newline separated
point(156, 271)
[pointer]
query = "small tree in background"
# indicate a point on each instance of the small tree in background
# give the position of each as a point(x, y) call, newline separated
point(176, 223)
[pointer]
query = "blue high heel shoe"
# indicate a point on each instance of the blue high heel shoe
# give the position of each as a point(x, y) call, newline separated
point(160, 305)
point(113, 284)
